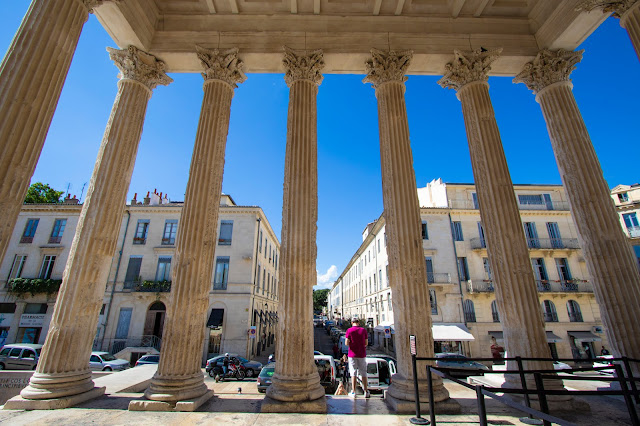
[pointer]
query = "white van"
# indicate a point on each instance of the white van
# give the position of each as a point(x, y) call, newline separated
point(379, 373)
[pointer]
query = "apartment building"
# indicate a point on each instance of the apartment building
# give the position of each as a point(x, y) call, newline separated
point(626, 199)
point(464, 312)
point(242, 301)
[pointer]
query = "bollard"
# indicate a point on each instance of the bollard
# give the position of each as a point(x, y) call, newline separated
point(542, 397)
point(530, 420)
point(417, 420)
point(482, 410)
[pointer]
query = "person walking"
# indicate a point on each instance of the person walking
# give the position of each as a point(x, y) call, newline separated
point(356, 339)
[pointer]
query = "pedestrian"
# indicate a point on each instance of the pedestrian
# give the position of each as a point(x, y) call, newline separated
point(604, 351)
point(225, 365)
point(336, 350)
point(356, 339)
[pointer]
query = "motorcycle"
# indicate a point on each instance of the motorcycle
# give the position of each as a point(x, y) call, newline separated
point(235, 370)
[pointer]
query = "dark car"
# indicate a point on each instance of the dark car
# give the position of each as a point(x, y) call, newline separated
point(148, 359)
point(252, 368)
point(458, 365)
point(264, 379)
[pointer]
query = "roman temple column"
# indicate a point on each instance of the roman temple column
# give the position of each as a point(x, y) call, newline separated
point(407, 270)
point(31, 78)
point(62, 377)
point(515, 286)
point(179, 376)
point(610, 260)
point(296, 384)
point(627, 10)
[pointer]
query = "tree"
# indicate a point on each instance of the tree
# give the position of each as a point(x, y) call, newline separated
point(320, 299)
point(42, 193)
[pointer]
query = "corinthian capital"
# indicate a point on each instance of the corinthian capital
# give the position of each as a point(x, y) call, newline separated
point(618, 7)
point(468, 67)
point(135, 64)
point(221, 65)
point(302, 66)
point(387, 66)
point(548, 67)
point(92, 4)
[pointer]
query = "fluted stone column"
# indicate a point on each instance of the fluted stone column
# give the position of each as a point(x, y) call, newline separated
point(179, 376)
point(407, 271)
point(31, 78)
point(62, 377)
point(515, 286)
point(627, 10)
point(296, 384)
point(610, 259)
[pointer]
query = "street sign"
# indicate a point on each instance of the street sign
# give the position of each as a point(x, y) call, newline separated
point(412, 341)
point(387, 332)
point(252, 332)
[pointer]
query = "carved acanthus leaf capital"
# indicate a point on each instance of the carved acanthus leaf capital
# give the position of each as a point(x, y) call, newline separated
point(302, 66)
point(92, 4)
point(548, 67)
point(468, 67)
point(222, 65)
point(618, 7)
point(135, 64)
point(388, 66)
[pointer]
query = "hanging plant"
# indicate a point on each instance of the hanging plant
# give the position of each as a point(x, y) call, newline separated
point(21, 286)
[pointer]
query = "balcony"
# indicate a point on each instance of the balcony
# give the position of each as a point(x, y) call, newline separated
point(55, 240)
point(152, 286)
point(478, 243)
point(26, 240)
point(139, 240)
point(550, 205)
point(438, 278)
point(564, 286)
point(553, 243)
point(168, 241)
point(633, 232)
point(480, 286)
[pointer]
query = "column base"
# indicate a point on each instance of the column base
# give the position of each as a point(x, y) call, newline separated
point(20, 403)
point(296, 389)
point(172, 389)
point(185, 405)
point(403, 406)
point(316, 406)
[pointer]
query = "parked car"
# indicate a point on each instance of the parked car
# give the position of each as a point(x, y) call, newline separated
point(20, 356)
point(458, 365)
point(604, 361)
point(327, 371)
point(148, 359)
point(393, 364)
point(252, 368)
point(317, 353)
point(557, 365)
point(379, 374)
point(104, 361)
point(264, 378)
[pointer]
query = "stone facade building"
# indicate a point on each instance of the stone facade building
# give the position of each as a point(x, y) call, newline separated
point(462, 300)
point(242, 289)
point(626, 198)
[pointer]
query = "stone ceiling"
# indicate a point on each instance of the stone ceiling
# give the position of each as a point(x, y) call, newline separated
point(346, 30)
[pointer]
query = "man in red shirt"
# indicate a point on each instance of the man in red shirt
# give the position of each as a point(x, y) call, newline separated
point(356, 339)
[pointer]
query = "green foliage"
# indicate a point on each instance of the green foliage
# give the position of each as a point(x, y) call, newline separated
point(320, 299)
point(157, 286)
point(42, 193)
point(21, 286)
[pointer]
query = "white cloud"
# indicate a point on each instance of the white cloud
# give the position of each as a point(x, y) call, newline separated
point(326, 280)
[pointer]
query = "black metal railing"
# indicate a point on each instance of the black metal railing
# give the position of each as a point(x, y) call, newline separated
point(623, 376)
point(146, 341)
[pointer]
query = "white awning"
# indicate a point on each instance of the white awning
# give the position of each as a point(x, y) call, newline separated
point(451, 333)
point(551, 338)
point(584, 336)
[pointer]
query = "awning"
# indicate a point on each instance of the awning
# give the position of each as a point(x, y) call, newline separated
point(215, 318)
point(451, 333)
point(584, 336)
point(551, 338)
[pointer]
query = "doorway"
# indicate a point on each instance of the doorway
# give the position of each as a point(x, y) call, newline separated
point(154, 323)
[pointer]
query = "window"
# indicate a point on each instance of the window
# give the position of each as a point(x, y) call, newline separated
point(380, 277)
point(7, 308)
point(133, 271)
point(29, 231)
point(487, 269)
point(222, 274)
point(425, 232)
point(563, 269)
point(540, 273)
point(463, 269)
point(469, 311)
point(456, 227)
point(494, 311)
point(35, 308)
point(532, 235)
point(260, 243)
point(389, 305)
point(265, 247)
point(474, 196)
point(549, 311)
point(433, 302)
point(142, 229)
point(226, 230)
point(258, 279)
point(530, 199)
point(17, 266)
point(378, 245)
point(483, 242)
point(430, 276)
point(47, 266)
point(170, 230)
point(630, 220)
point(264, 279)
point(623, 197)
point(57, 231)
point(554, 235)
point(163, 272)
point(575, 314)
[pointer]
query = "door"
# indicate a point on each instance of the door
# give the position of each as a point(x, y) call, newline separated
point(532, 235)
point(124, 320)
point(95, 363)
point(554, 235)
point(13, 360)
point(547, 201)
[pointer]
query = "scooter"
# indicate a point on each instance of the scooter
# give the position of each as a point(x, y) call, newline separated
point(235, 370)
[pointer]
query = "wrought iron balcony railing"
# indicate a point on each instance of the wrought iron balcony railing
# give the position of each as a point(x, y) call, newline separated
point(438, 278)
point(564, 286)
point(550, 205)
point(480, 286)
point(535, 243)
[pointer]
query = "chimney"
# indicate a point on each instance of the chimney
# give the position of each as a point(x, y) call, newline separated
point(69, 200)
point(146, 200)
point(134, 201)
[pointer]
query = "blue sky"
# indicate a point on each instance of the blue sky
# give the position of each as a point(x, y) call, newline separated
point(349, 182)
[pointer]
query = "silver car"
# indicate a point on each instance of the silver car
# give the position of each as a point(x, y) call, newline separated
point(104, 361)
point(20, 356)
